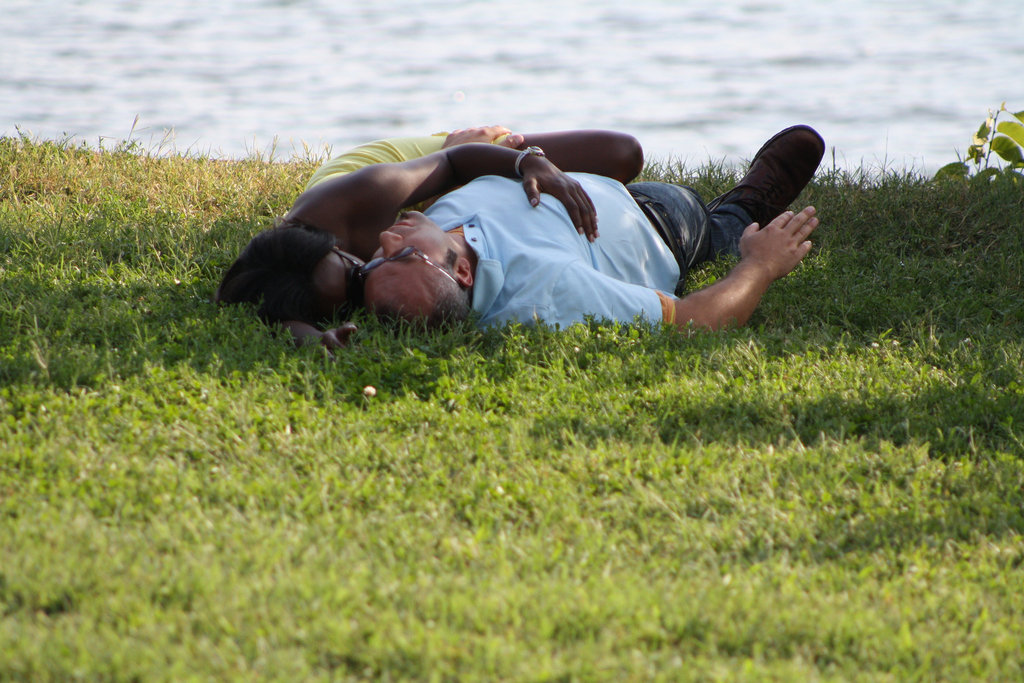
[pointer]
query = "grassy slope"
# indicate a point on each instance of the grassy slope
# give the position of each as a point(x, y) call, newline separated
point(836, 491)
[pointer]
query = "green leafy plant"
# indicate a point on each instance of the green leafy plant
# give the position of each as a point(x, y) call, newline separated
point(1004, 138)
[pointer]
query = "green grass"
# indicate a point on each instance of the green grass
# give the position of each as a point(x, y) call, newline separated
point(835, 492)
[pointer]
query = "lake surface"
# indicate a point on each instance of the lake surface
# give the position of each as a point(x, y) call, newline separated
point(892, 85)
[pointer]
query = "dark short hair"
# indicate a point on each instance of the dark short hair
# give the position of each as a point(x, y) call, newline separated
point(451, 303)
point(274, 272)
point(453, 300)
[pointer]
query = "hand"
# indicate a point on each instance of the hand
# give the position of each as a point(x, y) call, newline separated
point(540, 175)
point(337, 337)
point(779, 246)
point(483, 134)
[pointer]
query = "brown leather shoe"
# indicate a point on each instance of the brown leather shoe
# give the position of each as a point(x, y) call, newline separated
point(779, 172)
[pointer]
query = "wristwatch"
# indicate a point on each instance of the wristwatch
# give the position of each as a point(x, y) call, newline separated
point(531, 151)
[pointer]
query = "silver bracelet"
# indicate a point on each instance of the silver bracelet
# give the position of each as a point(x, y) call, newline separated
point(531, 151)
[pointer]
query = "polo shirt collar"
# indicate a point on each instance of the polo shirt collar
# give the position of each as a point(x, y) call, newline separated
point(489, 278)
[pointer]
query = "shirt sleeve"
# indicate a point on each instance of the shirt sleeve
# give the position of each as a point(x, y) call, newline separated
point(668, 308)
point(391, 150)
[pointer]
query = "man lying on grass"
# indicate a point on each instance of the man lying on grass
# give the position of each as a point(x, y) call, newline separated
point(484, 247)
point(305, 271)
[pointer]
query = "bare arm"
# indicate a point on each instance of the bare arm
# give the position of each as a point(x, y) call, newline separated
point(602, 152)
point(767, 254)
point(329, 204)
point(358, 206)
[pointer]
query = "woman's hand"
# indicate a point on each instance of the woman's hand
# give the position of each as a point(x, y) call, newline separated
point(540, 175)
point(483, 134)
point(337, 337)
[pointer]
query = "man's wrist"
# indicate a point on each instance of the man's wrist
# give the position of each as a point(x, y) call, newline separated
point(757, 270)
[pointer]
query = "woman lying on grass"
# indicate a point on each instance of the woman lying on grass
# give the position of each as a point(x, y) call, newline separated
point(508, 259)
point(304, 271)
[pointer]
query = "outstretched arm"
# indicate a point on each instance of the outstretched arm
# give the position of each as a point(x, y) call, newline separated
point(358, 206)
point(766, 254)
point(602, 152)
point(399, 149)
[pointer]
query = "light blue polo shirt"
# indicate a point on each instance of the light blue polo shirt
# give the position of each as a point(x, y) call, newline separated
point(533, 265)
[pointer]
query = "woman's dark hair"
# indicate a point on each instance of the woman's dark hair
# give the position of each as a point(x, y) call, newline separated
point(275, 273)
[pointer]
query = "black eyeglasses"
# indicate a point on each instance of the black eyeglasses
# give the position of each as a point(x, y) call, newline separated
point(364, 270)
point(354, 286)
point(354, 261)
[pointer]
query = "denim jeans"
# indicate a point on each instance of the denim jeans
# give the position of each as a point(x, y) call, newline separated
point(699, 235)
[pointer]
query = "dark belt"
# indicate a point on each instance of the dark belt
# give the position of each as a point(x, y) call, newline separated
point(659, 218)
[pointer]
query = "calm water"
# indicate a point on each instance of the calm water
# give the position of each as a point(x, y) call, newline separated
point(899, 84)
